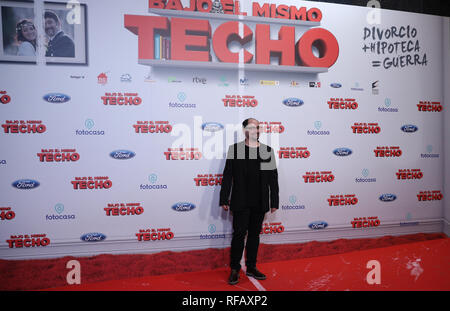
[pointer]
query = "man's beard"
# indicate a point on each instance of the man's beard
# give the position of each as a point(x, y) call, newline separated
point(50, 32)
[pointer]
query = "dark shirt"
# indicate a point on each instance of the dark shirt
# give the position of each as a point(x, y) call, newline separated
point(235, 174)
point(252, 163)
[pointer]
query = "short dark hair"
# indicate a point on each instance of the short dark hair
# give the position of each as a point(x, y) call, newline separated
point(245, 123)
point(52, 15)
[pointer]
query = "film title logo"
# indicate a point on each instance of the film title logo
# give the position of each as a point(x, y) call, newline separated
point(233, 7)
point(434, 195)
point(366, 128)
point(429, 106)
point(271, 127)
point(318, 177)
point(101, 182)
point(293, 153)
point(58, 155)
point(6, 213)
point(388, 152)
point(240, 101)
point(151, 127)
point(342, 103)
point(155, 234)
point(208, 180)
point(409, 174)
point(365, 222)
point(125, 99)
point(342, 200)
point(123, 209)
point(190, 38)
point(28, 240)
point(4, 98)
point(183, 154)
point(272, 228)
point(24, 127)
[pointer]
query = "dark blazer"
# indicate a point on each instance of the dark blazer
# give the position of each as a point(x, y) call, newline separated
point(61, 46)
point(235, 178)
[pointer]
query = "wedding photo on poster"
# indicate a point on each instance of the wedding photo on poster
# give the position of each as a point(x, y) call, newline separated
point(58, 35)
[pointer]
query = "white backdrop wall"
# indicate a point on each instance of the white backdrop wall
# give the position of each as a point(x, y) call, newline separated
point(58, 218)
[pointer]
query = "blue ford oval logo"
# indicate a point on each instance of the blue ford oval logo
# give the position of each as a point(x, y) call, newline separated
point(293, 102)
point(56, 98)
point(342, 152)
point(93, 237)
point(336, 85)
point(409, 128)
point(25, 184)
point(212, 126)
point(318, 225)
point(122, 154)
point(183, 207)
point(388, 197)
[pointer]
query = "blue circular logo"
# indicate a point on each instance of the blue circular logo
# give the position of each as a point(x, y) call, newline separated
point(89, 123)
point(212, 228)
point(59, 208)
point(152, 178)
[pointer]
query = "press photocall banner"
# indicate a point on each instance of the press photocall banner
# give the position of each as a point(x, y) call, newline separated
point(116, 117)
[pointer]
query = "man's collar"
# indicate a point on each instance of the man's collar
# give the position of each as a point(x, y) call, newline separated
point(51, 38)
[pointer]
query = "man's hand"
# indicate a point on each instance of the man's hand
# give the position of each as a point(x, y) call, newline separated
point(225, 207)
point(273, 210)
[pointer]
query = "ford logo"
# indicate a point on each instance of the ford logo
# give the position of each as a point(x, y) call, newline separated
point(409, 128)
point(388, 197)
point(342, 152)
point(93, 237)
point(183, 207)
point(56, 98)
point(212, 126)
point(318, 225)
point(25, 184)
point(293, 102)
point(336, 85)
point(122, 154)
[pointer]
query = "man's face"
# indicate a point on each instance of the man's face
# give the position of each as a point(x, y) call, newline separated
point(51, 27)
point(252, 130)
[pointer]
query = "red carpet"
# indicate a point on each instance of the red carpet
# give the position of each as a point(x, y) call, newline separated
point(415, 266)
point(131, 269)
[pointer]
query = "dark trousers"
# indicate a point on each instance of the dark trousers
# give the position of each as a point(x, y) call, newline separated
point(245, 222)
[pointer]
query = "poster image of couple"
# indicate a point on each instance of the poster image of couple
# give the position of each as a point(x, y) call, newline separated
point(24, 33)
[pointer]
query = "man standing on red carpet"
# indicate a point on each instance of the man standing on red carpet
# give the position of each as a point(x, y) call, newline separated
point(251, 175)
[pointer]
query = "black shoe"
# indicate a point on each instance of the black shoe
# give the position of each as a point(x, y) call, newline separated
point(234, 277)
point(254, 273)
